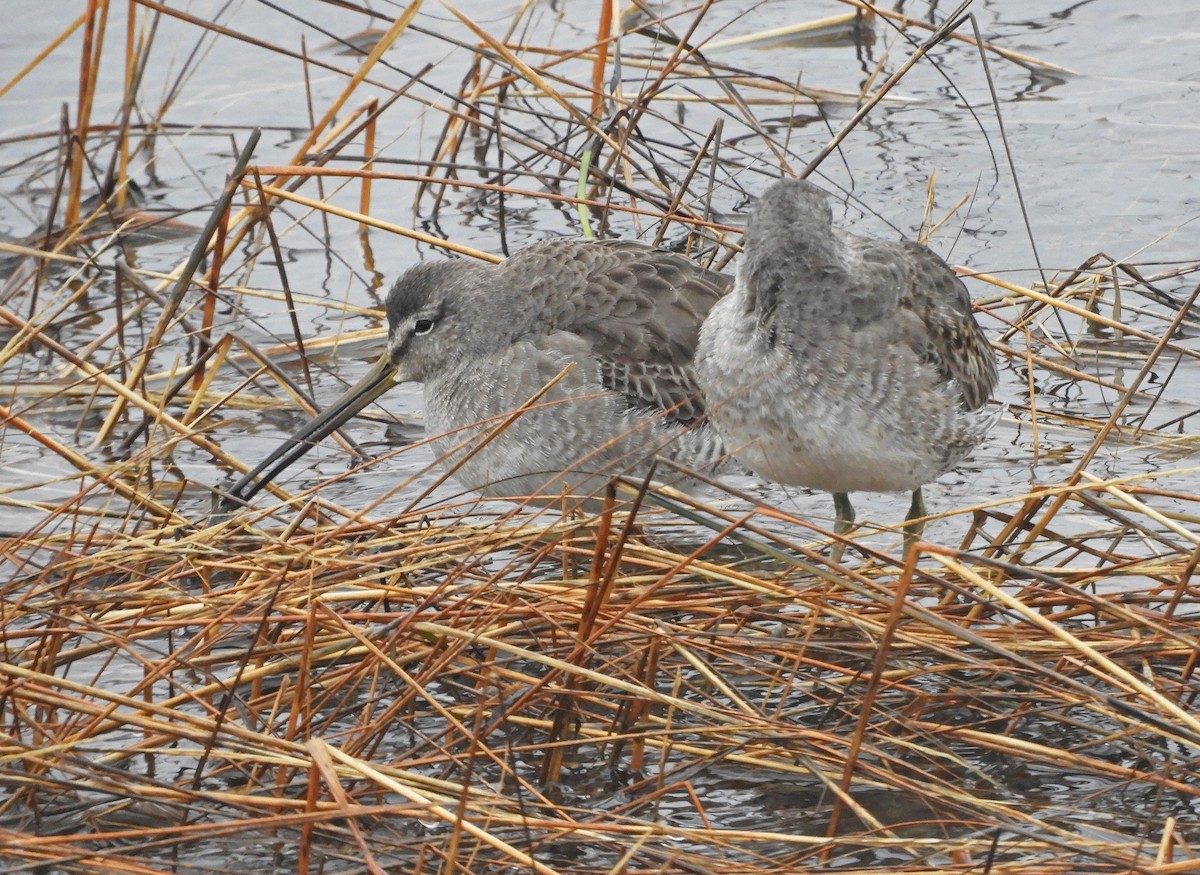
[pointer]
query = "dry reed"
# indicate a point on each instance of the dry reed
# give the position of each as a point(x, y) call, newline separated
point(668, 686)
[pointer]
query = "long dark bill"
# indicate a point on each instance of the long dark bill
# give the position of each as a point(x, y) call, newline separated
point(378, 380)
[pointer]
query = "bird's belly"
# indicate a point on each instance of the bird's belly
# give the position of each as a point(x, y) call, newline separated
point(517, 458)
point(572, 442)
point(831, 455)
point(829, 434)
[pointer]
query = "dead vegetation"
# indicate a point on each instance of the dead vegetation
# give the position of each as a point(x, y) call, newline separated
point(461, 686)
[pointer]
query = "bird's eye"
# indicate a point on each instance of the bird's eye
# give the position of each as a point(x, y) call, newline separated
point(422, 326)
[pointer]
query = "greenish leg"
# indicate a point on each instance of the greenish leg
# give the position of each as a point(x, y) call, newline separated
point(916, 511)
point(843, 522)
point(845, 513)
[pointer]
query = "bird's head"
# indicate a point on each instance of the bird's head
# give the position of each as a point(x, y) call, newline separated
point(440, 312)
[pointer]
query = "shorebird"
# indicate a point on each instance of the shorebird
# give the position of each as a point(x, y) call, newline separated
point(610, 326)
point(843, 363)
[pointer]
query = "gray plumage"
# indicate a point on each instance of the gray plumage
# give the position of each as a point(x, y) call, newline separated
point(620, 318)
point(843, 363)
point(623, 316)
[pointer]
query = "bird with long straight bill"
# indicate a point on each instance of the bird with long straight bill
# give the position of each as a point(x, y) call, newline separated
point(610, 327)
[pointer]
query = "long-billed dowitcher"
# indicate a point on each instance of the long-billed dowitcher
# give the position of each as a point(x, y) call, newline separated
point(615, 323)
point(843, 363)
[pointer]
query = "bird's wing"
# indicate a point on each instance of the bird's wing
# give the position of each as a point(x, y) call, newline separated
point(668, 388)
point(651, 389)
point(954, 340)
point(638, 309)
point(903, 293)
point(630, 301)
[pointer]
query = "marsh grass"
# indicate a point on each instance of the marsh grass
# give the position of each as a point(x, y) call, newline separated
point(671, 685)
